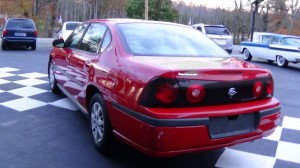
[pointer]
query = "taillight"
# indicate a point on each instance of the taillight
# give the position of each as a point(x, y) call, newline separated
point(35, 33)
point(166, 93)
point(257, 89)
point(4, 32)
point(270, 87)
point(195, 93)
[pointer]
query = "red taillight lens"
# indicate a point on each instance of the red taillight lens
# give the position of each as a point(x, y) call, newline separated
point(35, 33)
point(195, 93)
point(270, 87)
point(166, 93)
point(257, 89)
point(4, 32)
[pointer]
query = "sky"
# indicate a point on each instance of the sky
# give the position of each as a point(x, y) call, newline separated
point(214, 3)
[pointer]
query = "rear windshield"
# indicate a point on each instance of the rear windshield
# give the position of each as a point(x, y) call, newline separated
point(218, 30)
point(71, 26)
point(20, 23)
point(167, 40)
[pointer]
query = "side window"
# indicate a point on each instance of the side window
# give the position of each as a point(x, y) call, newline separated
point(75, 37)
point(92, 38)
point(106, 41)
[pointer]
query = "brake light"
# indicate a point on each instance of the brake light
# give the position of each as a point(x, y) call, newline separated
point(257, 89)
point(4, 32)
point(166, 93)
point(195, 93)
point(35, 33)
point(270, 87)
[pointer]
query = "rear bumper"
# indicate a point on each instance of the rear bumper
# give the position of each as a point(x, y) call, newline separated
point(168, 137)
point(19, 41)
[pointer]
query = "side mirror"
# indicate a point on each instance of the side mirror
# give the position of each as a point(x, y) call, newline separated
point(58, 43)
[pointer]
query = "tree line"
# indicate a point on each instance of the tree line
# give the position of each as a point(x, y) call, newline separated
point(280, 16)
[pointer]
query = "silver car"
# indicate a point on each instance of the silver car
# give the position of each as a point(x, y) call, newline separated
point(219, 33)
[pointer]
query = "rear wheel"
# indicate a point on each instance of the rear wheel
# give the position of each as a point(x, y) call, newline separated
point(33, 46)
point(247, 55)
point(281, 61)
point(3, 46)
point(100, 124)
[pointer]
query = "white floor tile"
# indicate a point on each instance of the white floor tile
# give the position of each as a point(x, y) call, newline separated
point(276, 135)
point(237, 159)
point(65, 103)
point(27, 91)
point(8, 69)
point(2, 81)
point(291, 123)
point(4, 74)
point(30, 82)
point(288, 151)
point(33, 75)
point(23, 104)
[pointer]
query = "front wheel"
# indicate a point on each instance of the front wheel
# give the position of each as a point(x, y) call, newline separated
point(100, 124)
point(281, 61)
point(247, 55)
point(52, 81)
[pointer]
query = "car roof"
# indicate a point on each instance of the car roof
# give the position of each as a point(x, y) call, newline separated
point(202, 24)
point(275, 34)
point(126, 20)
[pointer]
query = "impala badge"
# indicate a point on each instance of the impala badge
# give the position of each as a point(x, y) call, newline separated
point(232, 92)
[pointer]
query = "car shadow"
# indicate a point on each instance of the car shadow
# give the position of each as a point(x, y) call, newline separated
point(129, 157)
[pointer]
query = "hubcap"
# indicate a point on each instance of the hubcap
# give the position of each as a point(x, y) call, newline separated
point(97, 122)
point(246, 54)
point(51, 76)
point(280, 60)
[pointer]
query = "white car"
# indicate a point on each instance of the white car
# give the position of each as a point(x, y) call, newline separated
point(272, 47)
point(67, 29)
point(219, 33)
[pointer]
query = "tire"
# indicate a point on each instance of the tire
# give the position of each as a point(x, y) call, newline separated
point(281, 61)
point(100, 125)
point(52, 81)
point(3, 46)
point(33, 46)
point(247, 55)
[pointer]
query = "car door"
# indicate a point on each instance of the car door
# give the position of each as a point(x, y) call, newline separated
point(81, 60)
point(261, 48)
point(62, 55)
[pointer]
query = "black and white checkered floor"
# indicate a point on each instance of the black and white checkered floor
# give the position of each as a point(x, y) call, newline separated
point(25, 91)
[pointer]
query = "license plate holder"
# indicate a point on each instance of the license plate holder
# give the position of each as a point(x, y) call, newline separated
point(20, 34)
point(220, 127)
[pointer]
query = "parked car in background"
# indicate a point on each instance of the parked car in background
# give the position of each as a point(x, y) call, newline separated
point(163, 88)
point(19, 32)
point(219, 33)
point(67, 29)
point(272, 47)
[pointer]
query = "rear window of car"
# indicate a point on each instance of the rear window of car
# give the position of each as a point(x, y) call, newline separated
point(218, 30)
point(167, 40)
point(20, 23)
point(71, 26)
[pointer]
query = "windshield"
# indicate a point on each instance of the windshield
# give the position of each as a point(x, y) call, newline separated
point(218, 30)
point(167, 40)
point(20, 23)
point(291, 41)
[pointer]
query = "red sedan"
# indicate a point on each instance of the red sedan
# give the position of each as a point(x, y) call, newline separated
point(163, 88)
